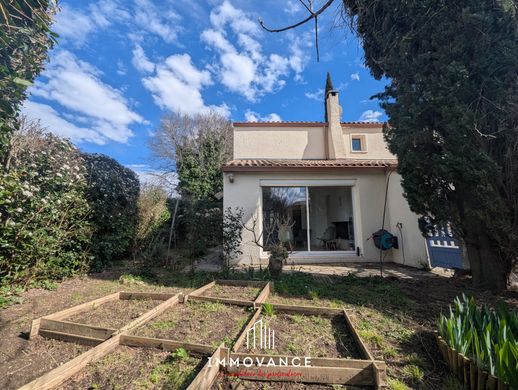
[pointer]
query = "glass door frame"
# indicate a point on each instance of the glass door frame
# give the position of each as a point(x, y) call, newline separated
point(351, 183)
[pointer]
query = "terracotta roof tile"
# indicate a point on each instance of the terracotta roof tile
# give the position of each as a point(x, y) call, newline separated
point(256, 164)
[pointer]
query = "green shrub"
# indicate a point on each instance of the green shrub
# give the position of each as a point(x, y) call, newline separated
point(45, 229)
point(151, 232)
point(489, 337)
point(113, 192)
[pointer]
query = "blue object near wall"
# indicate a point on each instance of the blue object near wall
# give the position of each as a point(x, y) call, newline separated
point(444, 252)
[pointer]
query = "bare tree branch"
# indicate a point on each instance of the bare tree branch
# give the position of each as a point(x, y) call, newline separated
point(312, 15)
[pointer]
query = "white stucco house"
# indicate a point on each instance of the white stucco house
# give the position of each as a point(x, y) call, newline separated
point(328, 182)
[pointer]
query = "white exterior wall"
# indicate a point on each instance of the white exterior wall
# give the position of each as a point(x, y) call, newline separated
point(411, 241)
point(368, 199)
point(279, 143)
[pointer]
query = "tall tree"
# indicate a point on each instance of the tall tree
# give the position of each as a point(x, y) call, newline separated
point(195, 146)
point(25, 38)
point(452, 104)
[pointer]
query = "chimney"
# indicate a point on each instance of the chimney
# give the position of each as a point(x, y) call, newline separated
point(333, 114)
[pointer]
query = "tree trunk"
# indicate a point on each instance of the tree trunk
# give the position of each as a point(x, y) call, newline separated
point(488, 268)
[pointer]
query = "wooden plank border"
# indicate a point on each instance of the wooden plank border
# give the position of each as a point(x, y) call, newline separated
point(60, 374)
point(241, 283)
point(305, 374)
point(309, 310)
point(263, 295)
point(77, 329)
point(165, 344)
point(154, 312)
point(208, 374)
point(229, 301)
point(359, 342)
point(199, 291)
point(315, 361)
point(35, 326)
point(240, 340)
point(129, 295)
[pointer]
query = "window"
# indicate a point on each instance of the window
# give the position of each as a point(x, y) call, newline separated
point(358, 143)
point(308, 218)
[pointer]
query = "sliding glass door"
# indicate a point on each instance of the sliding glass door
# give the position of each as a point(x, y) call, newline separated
point(315, 218)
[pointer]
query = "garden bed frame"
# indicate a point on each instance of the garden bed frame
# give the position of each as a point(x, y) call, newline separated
point(366, 371)
point(467, 371)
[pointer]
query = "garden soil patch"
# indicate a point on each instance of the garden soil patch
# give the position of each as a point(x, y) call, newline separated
point(233, 292)
point(309, 335)
point(226, 383)
point(35, 359)
point(206, 323)
point(137, 368)
point(114, 314)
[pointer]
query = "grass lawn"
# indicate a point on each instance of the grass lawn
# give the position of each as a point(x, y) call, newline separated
point(396, 318)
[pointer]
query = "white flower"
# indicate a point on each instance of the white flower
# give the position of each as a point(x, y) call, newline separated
point(27, 193)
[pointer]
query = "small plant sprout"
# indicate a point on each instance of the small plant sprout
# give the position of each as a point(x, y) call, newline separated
point(268, 309)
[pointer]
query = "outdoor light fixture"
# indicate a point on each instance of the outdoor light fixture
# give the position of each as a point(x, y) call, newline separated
point(231, 177)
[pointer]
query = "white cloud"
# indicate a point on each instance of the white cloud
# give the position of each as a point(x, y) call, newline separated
point(243, 67)
point(143, 17)
point(292, 7)
point(177, 86)
point(162, 22)
point(76, 86)
point(140, 61)
point(121, 68)
point(318, 95)
point(355, 76)
point(51, 120)
point(76, 25)
point(370, 116)
point(252, 116)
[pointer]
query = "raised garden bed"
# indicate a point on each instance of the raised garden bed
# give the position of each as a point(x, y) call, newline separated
point(208, 323)
point(150, 368)
point(310, 335)
point(114, 314)
point(215, 328)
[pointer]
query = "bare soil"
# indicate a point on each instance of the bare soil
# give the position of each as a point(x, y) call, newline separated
point(308, 335)
point(233, 292)
point(137, 368)
point(206, 323)
point(35, 359)
point(115, 314)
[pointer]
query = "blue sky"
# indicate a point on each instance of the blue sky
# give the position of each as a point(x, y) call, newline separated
point(120, 65)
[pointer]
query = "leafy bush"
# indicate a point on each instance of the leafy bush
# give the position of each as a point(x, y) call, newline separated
point(203, 226)
point(113, 192)
point(488, 337)
point(152, 214)
point(44, 214)
point(232, 232)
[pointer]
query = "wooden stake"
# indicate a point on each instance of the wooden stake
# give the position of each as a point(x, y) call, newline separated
point(208, 374)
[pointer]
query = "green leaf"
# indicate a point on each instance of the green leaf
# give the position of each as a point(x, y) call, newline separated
point(20, 81)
